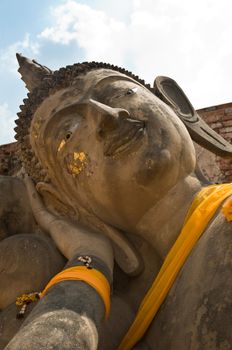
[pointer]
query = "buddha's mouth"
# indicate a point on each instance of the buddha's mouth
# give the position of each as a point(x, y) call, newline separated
point(125, 139)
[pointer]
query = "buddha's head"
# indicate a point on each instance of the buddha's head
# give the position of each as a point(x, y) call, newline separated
point(101, 140)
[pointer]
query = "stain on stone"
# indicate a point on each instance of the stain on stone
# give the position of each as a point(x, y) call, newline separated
point(76, 162)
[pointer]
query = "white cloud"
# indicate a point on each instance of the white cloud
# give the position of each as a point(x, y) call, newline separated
point(8, 60)
point(187, 40)
point(7, 124)
point(94, 31)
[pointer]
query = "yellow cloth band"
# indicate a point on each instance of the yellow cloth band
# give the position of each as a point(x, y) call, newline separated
point(202, 210)
point(92, 277)
point(227, 210)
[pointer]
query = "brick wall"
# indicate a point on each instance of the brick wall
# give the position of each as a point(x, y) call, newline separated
point(214, 168)
point(220, 119)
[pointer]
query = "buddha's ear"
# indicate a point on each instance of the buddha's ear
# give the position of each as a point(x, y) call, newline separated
point(32, 73)
point(53, 199)
point(170, 92)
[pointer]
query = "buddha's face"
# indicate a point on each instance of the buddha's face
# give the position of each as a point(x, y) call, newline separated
point(112, 145)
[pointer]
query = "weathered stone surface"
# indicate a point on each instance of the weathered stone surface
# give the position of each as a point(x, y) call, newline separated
point(113, 179)
point(27, 263)
point(15, 211)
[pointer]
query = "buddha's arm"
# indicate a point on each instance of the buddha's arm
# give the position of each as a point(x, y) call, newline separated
point(69, 317)
point(71, 313)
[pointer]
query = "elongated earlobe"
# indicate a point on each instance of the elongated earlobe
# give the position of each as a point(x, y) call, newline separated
point(32, 72)
point(171, 93)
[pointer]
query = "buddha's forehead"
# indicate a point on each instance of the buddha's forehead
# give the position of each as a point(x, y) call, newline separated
point(102, 77)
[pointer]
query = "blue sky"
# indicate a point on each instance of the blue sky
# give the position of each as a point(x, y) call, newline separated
point(189, 41)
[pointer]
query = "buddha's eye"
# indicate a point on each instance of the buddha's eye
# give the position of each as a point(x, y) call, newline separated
point(131, 91)
point(68, 135)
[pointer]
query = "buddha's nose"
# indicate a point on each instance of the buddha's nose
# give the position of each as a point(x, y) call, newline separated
point(110, 118)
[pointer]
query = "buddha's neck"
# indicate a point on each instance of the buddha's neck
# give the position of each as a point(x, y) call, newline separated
point(161, 225)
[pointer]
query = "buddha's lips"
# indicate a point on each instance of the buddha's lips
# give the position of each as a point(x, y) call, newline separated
point(124, 138)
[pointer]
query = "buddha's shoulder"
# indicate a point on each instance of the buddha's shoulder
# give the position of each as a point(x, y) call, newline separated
point(198, 310)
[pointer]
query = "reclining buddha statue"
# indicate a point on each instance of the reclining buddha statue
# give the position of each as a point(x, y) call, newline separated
point(110, 239)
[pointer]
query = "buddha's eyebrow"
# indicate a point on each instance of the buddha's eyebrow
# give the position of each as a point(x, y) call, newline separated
point(75, 109)
point(78, 106)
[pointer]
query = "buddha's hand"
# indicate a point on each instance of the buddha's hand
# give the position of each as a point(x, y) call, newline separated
point(70, 239)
